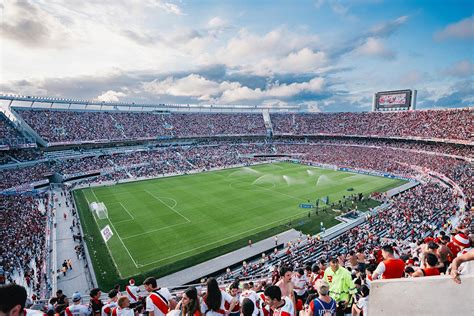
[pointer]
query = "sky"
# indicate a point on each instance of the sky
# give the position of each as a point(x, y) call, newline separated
point(322, 55)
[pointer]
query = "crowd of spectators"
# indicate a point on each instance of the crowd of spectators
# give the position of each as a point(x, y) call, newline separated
point(82, 126)
point(23, 236)
point(23, 176)
point(71, 126)
point(7, 130)
point(452, 124)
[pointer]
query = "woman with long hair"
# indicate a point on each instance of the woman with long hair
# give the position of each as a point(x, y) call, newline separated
point(214, 300)
point(190, 303)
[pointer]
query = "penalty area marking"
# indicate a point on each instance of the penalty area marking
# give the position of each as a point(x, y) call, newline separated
point(132, 218)
point(106, 246)
point(171, 208)
point(116, 232)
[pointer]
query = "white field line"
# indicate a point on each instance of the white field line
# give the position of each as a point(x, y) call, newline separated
point(154, 230)
point(171, 208)
point(126, 210)
point(133, 218)
point(126, 249)
point(218, 241)
point(106, 246)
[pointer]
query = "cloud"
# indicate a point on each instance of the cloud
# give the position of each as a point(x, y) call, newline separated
point(168, 7)
point(141, 38)
point(202, 89)
point(388, 28)
point(31, 26)
point(275, 90)
point(190, 86)
point(461, 69)
point(463, 29)
point(460, 94)
point(217, 26)
point(279, 50)
point(373, 47)
point(110, 96)
point(369, 42)
point(410, 78)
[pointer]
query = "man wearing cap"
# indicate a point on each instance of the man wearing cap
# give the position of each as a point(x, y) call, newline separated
point(463, 242)
point(109, 309)
point(133, 293)
point(77, 309)
point(324, 305)
point(341, 286)
point(453, 245)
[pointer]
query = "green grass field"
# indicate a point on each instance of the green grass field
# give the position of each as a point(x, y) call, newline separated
point(166, 224)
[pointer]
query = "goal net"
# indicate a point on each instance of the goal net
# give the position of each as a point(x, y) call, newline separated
point(100, 209)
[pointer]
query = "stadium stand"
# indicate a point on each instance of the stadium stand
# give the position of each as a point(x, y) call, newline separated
point(414, 225)
point(68, 126)
point(440, 124)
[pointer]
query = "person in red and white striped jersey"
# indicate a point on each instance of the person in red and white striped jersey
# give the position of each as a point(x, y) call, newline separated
point(159, 300)
point(77, 309)
point(109, 308)
point(278, 305)
point(132, 292)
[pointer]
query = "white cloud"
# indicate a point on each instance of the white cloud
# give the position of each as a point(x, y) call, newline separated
point(32, 26)
point(217, 26)
point(275, 90)
point(202, 89)
point(168, 7)
point(389, 27)
point(374, 47)
point(111, 96)
point(302, 61)
point(463, 68)
point(463, 29)
point(276, 51)
point(411, 78)
point(190, 86)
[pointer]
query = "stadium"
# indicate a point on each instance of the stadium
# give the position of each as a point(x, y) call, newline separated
point(112, 207)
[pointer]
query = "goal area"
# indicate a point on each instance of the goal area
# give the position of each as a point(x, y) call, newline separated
point(100, 209)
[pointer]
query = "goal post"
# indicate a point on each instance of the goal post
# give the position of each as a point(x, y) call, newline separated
point(99, 209)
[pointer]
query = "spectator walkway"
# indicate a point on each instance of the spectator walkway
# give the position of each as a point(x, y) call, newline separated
point(206, 268)
point(75, 279)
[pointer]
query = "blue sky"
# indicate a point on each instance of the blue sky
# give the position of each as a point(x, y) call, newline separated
point(324, 55)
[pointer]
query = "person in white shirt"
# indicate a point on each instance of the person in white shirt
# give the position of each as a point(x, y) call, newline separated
point(77, 309)
point(249, 293)
point(133, 293)
point(159, 300)
point(362, 305)
point(300, 285)
point(109, 308)
point(123, 308)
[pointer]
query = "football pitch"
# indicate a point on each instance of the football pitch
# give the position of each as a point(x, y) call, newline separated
point(173, 222)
